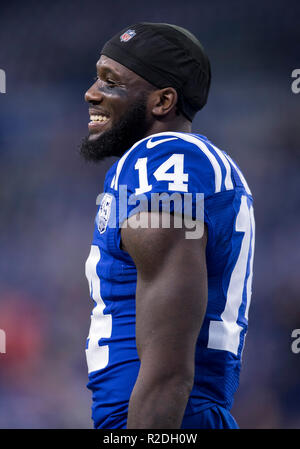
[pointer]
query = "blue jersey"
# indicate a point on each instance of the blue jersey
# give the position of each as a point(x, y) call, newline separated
point(185, 164)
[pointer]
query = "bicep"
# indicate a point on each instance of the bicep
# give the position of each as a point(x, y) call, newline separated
point(171, 296)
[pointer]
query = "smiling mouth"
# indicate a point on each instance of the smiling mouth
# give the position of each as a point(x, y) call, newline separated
point(98, 118)
point(97, 122)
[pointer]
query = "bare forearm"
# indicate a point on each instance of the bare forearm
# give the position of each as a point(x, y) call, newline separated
point(159, 406)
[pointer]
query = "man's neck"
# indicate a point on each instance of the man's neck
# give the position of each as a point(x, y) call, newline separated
point(184, 126)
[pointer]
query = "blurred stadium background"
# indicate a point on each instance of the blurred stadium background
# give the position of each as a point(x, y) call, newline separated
point(47, 194)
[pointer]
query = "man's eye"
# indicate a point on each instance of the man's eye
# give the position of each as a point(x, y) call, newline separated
point(108, 81)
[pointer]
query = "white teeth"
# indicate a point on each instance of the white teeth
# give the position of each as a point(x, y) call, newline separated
point(98, 118)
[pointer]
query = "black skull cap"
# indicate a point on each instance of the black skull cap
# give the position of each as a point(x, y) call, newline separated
point(166, 56)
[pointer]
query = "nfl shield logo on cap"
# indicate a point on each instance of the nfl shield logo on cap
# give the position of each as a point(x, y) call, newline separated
point(129, 34)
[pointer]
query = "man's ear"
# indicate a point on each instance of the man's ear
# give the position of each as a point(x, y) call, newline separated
point(163, 101)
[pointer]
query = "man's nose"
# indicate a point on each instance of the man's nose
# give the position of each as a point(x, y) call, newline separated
point(93, 95)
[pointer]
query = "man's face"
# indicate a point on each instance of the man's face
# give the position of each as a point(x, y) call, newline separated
point(118, 111)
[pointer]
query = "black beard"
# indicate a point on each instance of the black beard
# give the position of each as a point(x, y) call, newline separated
point(131, 128)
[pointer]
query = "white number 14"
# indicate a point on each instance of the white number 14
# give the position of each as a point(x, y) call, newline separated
point(177, 179)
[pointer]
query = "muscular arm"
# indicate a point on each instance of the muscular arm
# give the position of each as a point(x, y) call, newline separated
point(171, 300)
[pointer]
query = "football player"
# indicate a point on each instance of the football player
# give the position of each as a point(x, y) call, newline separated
point(170, 306)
